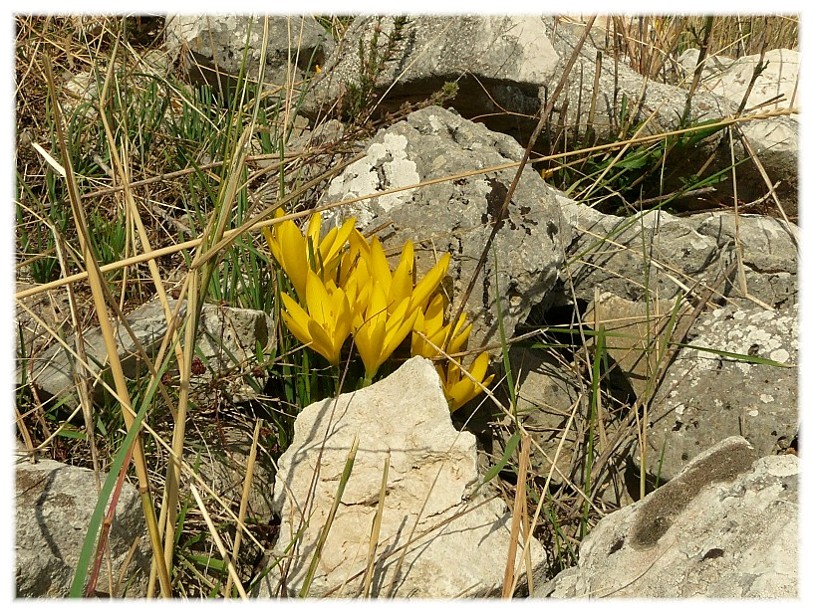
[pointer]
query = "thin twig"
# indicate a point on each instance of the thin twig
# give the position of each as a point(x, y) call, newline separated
point(497, 221)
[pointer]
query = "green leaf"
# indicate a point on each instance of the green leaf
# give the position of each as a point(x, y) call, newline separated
point(510, 447)
point(86, 554)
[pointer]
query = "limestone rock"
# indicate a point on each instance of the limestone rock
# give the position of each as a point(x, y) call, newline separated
point(438, 539)
point(227, 339)
point(32, 337)
point(636, 334)
point(714, 64)
point(218, 42)
point(497, 62)
point(607, 254)
point(457, 215)
point(725, 527)
point(706, 397)
point(54, 503)
point(547, 394)
point(618, 82)
point(54, 368)
point(624, 96)
point(780, 77)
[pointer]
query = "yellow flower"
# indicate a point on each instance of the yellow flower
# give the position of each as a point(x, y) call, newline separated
point(460, 389)
point(330, 247)
point(354, 274)
point(430, 323)
point(297, 254)
point(377, 333)
point(328, 320)
point(399, 284)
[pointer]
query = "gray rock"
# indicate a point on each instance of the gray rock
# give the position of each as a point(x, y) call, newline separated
point(635, 334)
point(548, 392)
point(218, 42)
point(53, 370)
point(619, 87)
point(52, 308)
point(54, 504)
point(725, 527)
point(227, 339)
point(775, 141)
point(705, 397)
point(780, 77)
point(219, 453)
point(497, 63)
point(456, 215)
point(713, 65)
point(607, 254)
point(439, 538)
point(624, 97)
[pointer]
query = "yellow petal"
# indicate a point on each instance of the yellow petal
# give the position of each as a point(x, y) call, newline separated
point(434, 313)
point(335, 240)
point(323, 343)
point(317, 299)
point(358, 252)
point(459, 392)
point(358, 297)
point(369, 340)
point(343, 316)
point(399, 324)
point(479, 366)
point(314, 231)
point(371, 330)
point(417, 345)
point(359, 244)
point(296, 319)
point(294, 256)
point(426, 286)
point(273, 244)
point(401, 286)
point(459, 337)
point(379, 267)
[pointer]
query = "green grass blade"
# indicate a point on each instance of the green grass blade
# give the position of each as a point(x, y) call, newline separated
point(323, 533)
point(510, 447)
point(742, 357)
point(86, 554)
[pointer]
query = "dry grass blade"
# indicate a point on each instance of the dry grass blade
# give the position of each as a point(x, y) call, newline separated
point(98, 291)
point(518, 516)
point(218, 543)
point(376, 530)
point(241, 514)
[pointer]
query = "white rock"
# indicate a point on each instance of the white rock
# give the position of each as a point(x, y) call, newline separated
point(780, 78)
point(725, 527)
point(454, 546)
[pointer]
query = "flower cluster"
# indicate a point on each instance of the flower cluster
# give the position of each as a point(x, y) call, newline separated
point(344, 287)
